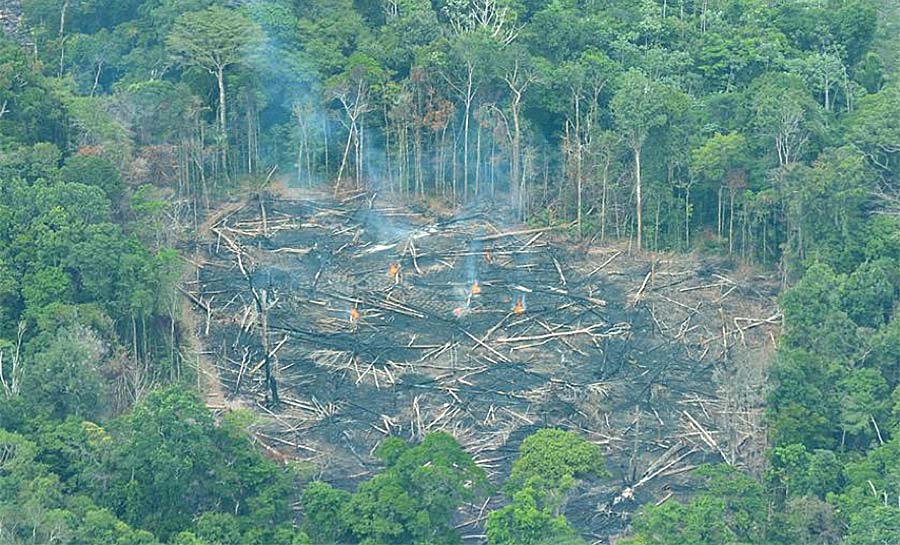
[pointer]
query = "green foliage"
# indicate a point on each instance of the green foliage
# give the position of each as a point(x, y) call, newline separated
point(831, 321)
point(874, 525)
point(639, 106)
point(865, 399)
point(323, 505)
point(33, 507)
point(219, 528)
point(884, 352)
point(814, 319)
point(830, 201)
point(65, 377)
point(797, 472)
point(869, 294)
point(94, 171)
point(719, 156)
point(522, 522)
point(807, 521)
point(878, 471)
point(549, 462)
point(171, 463)
point(410, 501)
point(874, 129)
point(32, 112)
point(730, 508)
point(213, 39)
point(784, 116)
point(769, 131)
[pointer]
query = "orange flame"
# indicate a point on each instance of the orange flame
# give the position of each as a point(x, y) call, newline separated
point(520, 307)
point(354, 314)
point(394, 269)
point(476, 288)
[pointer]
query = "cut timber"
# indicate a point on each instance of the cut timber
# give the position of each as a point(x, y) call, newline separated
point(637, 296)
point(272, 354)
point(583, 331)
point(524, 232)
point(604, 264)
point(578, 356)
point(194, 299)
point(483, 345)
point(707, 438)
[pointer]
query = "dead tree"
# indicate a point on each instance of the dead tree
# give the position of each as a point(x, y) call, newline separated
point(11, 382)
point(261, 298)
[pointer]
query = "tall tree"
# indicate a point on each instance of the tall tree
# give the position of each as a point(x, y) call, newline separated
point(214, 40)
point(639, 107)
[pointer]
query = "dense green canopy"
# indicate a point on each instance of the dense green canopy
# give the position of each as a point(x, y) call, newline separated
point(765, 132)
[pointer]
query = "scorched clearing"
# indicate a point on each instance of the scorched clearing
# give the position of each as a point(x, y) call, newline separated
point(364, 319)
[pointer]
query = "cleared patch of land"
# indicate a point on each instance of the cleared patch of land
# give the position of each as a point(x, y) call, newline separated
point(379, 320)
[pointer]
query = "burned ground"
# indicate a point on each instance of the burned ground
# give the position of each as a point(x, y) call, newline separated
point(660, 361)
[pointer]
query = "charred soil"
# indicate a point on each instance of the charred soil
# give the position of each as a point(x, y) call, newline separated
point(382, 320)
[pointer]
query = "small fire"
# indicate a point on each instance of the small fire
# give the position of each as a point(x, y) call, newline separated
point(520, 306)
point(354, 314)
point(394, 271)
point(476, 288)
point(458, 311)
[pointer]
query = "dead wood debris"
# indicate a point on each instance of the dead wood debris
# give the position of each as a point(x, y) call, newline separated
point(654, 363)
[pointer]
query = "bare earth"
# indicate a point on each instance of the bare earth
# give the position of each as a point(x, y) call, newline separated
point(661, 359)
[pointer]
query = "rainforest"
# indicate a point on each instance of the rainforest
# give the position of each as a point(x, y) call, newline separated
point(502, 272)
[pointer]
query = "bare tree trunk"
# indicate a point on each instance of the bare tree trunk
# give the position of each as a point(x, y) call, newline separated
point(493, 168)
point(271, 382)
point(470, 95)
point(465, 154)
point(656, 228)
point(358, 149)
point(604, 196)
point(309, 159)
point(578, 161)
point(11, 383)
point(618, 215)
point(249, 142)
point(719, 211)
point(518, 85)
point(346, 155)
point(303, 148)
point(62, 36)
point(223, 132)
point(731, 225)
point(134, 342)
point(578, 212)
point(442, 175)
point(454, 165)
point(477, 159)
point(637, 192)
point(97, 78)
point(417, 159)
point(325, 137)
point(687, 217)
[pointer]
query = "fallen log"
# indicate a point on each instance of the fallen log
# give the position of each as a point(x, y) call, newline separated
point(483, 345)
point(523, 232)
point(583, 331)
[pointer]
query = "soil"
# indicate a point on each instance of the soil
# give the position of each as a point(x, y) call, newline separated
point(659, 359)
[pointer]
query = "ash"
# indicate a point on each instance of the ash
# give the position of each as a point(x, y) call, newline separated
point(380, 320)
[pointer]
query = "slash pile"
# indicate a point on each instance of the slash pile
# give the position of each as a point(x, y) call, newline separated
point(378, 321)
